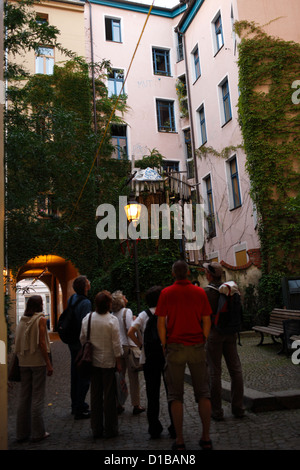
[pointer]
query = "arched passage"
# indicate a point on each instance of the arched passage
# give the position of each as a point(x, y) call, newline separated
point(58, 275)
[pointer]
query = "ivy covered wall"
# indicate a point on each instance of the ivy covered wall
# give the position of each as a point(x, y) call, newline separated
point(270, 123)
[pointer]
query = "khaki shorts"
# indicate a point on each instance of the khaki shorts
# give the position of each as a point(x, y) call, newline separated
point(178, 356)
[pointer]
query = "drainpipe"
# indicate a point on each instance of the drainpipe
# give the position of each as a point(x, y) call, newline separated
point(191, 119)
point(93, 72)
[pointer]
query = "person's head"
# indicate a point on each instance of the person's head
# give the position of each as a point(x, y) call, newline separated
point(213, 271)
point(34, 305)
point(103, 302)
point(180, 270)
point(118, 300)
point(81, 285)
point(152, 296)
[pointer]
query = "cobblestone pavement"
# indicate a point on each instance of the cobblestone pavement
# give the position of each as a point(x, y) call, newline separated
point(263, 369)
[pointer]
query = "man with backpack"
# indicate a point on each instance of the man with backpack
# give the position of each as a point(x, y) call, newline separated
point(80, 306)
point(153, 360)
point(222, 341)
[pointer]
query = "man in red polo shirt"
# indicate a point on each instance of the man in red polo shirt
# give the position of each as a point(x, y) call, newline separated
point(183, 325)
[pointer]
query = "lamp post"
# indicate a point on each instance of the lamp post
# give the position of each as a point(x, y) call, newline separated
point(133, 212)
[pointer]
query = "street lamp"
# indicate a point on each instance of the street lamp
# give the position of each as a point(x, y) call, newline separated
point(133, 212)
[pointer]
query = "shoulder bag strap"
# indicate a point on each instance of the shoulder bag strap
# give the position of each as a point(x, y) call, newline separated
point(89, 327)
point(124, 323)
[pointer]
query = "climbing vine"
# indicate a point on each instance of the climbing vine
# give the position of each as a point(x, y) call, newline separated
point(270, 123)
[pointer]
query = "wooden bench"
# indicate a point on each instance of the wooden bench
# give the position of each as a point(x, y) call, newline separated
point(275, 327)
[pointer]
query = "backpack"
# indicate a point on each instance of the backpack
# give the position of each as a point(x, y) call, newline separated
point(228, 319)
point(152, 343)
point(67, 326)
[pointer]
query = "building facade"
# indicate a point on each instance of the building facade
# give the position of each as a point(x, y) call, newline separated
point(182, 93)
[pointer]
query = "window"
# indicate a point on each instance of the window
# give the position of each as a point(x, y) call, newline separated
point(196, 59)
point(203, 134)
point(241, 258)
point(46, 207)
point(179, 47)
point(170, 165)
point(189, 154)
point(240, 254)
point(234, 187)
point(218, 33)
point(161, 62)
point(211, 227)
point(42, 18)
point(115, 82)
point(44, 60)
point(119, 141)
point(165, 116)
point(225, 102)
point(181, 91)
point(113, 29)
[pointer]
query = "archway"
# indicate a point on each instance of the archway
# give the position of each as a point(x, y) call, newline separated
point(54, 272)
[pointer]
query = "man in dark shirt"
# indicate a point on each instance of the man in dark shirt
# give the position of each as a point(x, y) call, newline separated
point(79, 386)
point(218, 345)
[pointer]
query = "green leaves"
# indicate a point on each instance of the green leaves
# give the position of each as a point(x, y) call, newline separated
point(270, 125)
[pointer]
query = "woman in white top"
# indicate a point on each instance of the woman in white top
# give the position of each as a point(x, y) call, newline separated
point(125, 318)
point(107, 352)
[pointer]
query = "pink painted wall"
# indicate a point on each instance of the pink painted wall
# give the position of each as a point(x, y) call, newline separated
point(235, 229)
point(142, 86)
point(279, 18)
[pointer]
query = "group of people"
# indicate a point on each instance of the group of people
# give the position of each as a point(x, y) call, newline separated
point(182, 313)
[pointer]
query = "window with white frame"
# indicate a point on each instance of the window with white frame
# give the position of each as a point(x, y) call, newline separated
point(113, 29)
point(217, 31)
point(233, 183)
point(179, 47)
point(44, 60)
point(115, 82)
point(225, 104)
point(196, 63)
point(161, 61)
point(202, 125)
point(189, 154)
point(209, 207)
point(119, 141)
point(165, 115)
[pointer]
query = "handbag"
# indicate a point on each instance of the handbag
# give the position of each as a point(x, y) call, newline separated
point(133, 352)
point(14, 374)
point(122, 390)
point(84, 358)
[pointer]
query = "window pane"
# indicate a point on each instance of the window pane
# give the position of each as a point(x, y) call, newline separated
point(219, 33)
point(165, 116)
point(236, 193)
point(116, 33)
point(49, 66)
point(197, 63)
point(45, 51)
point(241, 258)
point(108, 29)
point(161, 62)
point(39, 65)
